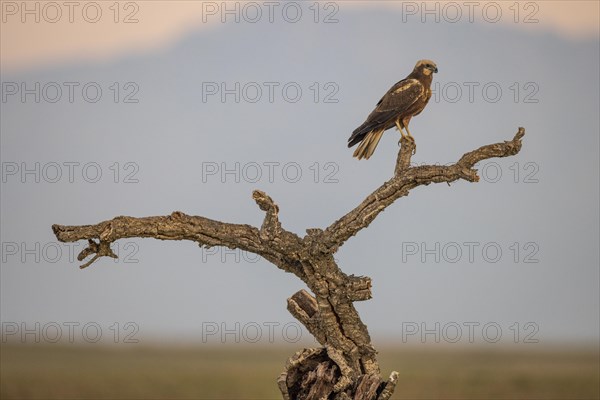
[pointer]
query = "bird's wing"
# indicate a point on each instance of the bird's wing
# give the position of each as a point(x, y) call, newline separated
point(396, 101)
point(400, 96)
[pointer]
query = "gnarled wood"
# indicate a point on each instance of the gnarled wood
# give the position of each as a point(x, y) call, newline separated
point(346, 366)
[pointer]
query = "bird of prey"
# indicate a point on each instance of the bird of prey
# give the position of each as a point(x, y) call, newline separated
point(403, 101)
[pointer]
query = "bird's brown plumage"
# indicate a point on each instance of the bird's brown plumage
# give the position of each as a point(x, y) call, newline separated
point(403, 101)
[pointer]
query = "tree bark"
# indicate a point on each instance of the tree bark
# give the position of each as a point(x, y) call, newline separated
point(345, 367)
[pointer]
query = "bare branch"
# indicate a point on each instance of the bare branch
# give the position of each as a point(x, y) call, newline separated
point(407, 178)
point(270, 242)
point(508, 148)
point(177, 226)
point(271, 226)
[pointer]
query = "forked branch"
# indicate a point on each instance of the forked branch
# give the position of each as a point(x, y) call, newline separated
point(346, 366)
point(407, 178)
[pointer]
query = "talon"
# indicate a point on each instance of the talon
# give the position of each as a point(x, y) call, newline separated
point(412, 139)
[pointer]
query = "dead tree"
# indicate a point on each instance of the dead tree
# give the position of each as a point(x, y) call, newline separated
point(346, 366)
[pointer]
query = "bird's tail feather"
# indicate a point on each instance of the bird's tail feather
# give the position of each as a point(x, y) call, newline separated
point(366, 148)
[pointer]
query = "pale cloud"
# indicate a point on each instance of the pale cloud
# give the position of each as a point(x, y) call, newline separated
point(148, 25)
point(139, 26)
point(571, 18)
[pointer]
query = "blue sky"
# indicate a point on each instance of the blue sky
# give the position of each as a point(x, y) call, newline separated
point(148, 132)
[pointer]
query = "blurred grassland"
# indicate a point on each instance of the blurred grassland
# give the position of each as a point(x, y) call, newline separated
point(249, 372)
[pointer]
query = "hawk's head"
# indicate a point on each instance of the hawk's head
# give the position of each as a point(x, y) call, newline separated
point(426, 67)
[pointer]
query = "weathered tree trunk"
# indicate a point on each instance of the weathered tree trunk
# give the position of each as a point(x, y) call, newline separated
point(345, 367)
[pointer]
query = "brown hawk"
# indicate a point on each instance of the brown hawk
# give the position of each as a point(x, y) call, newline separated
point(403, 101)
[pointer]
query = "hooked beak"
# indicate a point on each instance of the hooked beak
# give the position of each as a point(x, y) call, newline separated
point(434, 69)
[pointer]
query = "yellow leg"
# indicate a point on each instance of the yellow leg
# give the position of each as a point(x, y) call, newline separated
point(401, 131)
point(409, 135)
point(400, 128)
